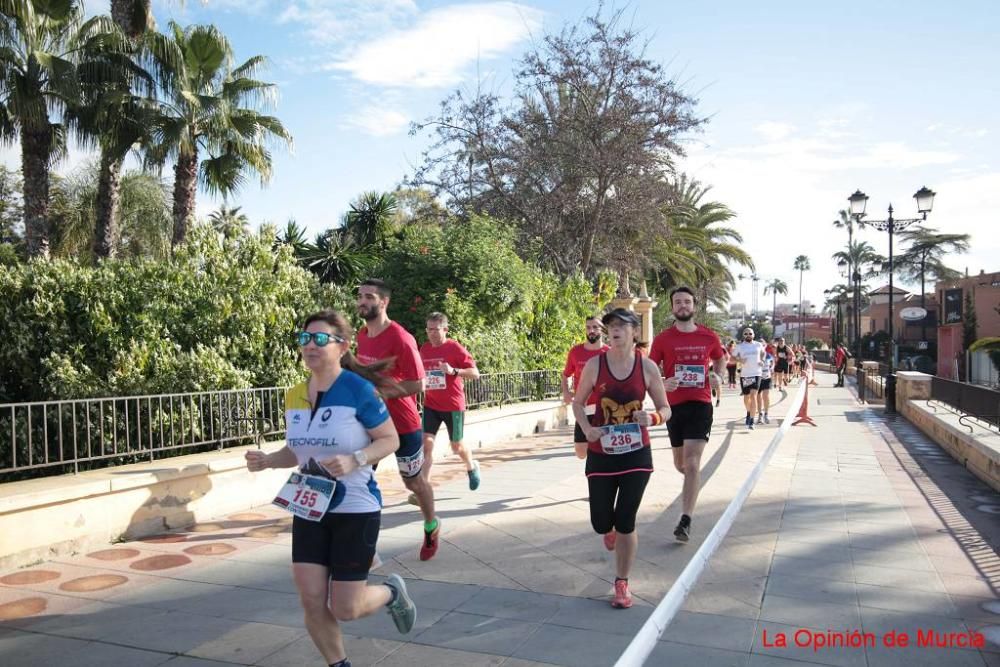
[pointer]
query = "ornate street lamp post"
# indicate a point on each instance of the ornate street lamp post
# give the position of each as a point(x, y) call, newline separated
point(925, 202)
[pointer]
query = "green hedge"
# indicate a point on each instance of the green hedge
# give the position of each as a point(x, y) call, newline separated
point(220, 313)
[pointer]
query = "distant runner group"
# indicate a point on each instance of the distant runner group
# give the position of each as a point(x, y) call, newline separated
point(359, 408)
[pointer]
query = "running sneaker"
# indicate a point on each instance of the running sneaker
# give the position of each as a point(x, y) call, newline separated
point(402, 609)
point(412, 499)
point(750, 425)
point(683, 530)
point(609, 540)
point(474, 476)
point(430, 546)
point(760, 419)
point(766, 420)
point(623, 598)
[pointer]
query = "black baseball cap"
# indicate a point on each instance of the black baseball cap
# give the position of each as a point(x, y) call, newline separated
point(625, 315)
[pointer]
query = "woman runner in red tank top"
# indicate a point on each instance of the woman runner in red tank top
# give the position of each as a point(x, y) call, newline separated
point(619, 458)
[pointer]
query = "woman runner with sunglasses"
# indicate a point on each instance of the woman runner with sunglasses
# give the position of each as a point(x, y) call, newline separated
point(337, 427)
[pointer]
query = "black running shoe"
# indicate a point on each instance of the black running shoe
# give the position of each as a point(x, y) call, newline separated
point(683, 530)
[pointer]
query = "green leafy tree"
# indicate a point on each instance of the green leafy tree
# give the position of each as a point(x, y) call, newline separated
point(970, 322)
point(210, 110)
point(925, 255)
point(11, 208)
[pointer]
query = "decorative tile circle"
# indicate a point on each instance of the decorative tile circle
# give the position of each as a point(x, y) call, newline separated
point(214, 549)
point(29, 577)
point(114, 554)
point(22, 608)
point(265, 531)
point(205, 528)
point(97, 582)
point(162, 562)
point(168, 538)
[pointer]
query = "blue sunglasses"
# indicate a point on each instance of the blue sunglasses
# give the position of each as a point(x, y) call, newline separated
point(321, 339)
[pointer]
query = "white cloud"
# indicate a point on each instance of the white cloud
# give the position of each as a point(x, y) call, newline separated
point(435, 51)
point(377, 122)
point(787, 192)
point(335, 21)
point(774, 131)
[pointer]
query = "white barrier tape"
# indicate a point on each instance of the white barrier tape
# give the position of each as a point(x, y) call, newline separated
point(644, 641)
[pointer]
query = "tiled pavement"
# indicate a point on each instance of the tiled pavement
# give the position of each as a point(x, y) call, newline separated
point(859, 524)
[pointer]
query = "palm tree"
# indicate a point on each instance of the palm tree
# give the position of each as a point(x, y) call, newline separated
point(132, 16)
point(775, 287)
point(38, 77)
point(715, 248)
point(207, 111)
point(336, 257)
point(801, 265)
point(369, 221)
point(117, 110)
point(925, 254)
point(231, 222)
point(294, 236)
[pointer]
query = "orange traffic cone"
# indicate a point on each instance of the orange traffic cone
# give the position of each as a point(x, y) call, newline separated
point(803, 416)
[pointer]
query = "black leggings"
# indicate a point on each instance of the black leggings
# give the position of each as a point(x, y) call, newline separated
point(732, 374)
point(605, 512)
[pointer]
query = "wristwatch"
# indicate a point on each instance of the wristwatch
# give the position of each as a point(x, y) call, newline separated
point(361, 458)
point(454, 371)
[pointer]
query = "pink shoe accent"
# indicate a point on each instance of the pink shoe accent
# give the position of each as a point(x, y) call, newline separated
point(623, 598)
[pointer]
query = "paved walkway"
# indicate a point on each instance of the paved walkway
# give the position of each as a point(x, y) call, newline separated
point(859, 524)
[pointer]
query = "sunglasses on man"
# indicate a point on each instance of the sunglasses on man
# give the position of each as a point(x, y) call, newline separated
point(320, 338)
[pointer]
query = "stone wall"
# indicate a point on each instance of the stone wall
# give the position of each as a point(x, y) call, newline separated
point(52, 516)
point(975, 447)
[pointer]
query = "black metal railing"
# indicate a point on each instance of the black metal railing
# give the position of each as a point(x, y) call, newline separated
point(871, 385)
point(972, 400)
point(55, 437)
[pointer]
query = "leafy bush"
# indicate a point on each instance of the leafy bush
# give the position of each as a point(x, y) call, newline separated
point(218, 314)
point(510, 314)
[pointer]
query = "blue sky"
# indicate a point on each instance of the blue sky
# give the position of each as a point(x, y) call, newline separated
point(808, 102)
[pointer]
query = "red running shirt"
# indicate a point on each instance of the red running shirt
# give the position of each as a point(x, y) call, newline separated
point(451, 396)
point(575, 361)
point(396, 342)
point(677, 352)
point(618, 399)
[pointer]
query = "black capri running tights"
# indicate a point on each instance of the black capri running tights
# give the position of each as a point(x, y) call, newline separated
point(732, 374)
point(614, 501)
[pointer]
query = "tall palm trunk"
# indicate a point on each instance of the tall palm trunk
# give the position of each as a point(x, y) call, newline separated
point(801, 332)
point(185, 186)
point(36, 146)
point(108, 197)
point(132, 16)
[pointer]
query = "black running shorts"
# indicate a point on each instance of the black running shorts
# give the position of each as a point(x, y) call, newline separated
point(345, 543)
point(765, 384)
point(689, 421)
point(748, 384)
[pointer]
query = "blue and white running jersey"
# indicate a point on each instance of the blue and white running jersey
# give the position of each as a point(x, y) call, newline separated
point(765, 368)
point(338, 426)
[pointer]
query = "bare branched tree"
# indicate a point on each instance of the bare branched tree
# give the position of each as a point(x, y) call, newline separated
point(578, 158)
